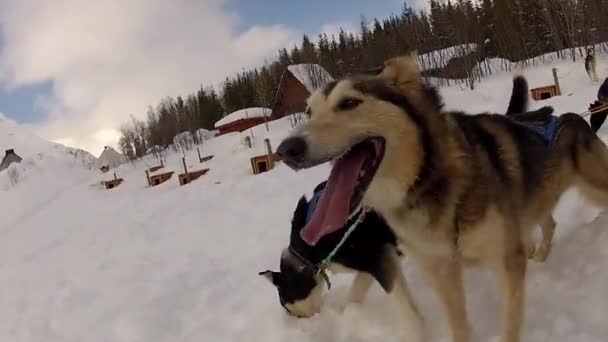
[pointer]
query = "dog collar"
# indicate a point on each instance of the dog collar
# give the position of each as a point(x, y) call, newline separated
point(303, 265)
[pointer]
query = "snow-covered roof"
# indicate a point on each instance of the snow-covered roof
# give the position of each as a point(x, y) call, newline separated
point(253, 112)
point(312, 76)
point(112, 157)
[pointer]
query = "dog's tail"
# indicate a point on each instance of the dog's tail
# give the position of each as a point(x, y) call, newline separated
point(519, 96)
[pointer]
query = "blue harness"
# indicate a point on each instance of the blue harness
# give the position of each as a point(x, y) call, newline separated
point(547, 131)
point(312, 205)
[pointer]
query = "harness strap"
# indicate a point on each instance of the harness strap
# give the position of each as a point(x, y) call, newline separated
point(360, 217)
point(319, 269)
point(547, 131)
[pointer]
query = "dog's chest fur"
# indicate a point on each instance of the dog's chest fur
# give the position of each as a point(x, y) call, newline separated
point(411, 226)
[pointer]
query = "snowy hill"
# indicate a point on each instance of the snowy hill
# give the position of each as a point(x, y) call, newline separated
point(171, 263)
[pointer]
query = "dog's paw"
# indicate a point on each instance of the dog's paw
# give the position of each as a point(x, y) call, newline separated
point(542, 252)
point(531, 251)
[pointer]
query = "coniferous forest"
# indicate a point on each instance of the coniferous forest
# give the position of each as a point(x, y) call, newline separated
point(515, 30)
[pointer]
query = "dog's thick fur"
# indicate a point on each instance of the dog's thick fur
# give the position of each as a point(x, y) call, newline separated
point(370, 251)
point(591, 64)
point(457, 189)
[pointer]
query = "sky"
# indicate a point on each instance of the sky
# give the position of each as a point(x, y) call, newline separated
point(74, 71)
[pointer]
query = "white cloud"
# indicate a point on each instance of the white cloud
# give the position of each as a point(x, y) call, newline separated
point(422, 5)
point(109, 59)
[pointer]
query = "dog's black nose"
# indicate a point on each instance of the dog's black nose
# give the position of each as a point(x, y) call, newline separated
point(292, 150)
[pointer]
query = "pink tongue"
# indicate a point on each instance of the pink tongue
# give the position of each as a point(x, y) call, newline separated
point(333, 208)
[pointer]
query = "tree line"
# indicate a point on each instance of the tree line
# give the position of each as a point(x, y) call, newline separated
point(515, 30)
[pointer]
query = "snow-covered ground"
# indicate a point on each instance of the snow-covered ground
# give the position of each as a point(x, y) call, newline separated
point(171, 263)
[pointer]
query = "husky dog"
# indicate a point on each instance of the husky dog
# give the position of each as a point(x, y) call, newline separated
point(456, 189)
point(590, 64)
point(371, 251)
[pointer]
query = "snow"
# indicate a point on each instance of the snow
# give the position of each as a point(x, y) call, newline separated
point(171, 263)
point(312, 76)
point(253, 112)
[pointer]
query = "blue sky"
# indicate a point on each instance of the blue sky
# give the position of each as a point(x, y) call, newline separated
point(303, 16)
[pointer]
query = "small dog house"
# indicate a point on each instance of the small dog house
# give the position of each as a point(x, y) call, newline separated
point(9, 158)
point(547, 92)
point(111, 184)
point(154, 180)
point(205, 158)
point(543, 93)
point(263, 163)
point(157, 167)
point(104, 168)
point(187, 177)
point(260, 164)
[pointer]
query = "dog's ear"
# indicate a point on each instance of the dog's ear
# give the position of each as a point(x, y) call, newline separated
point(272, 277)
point(402, 71)
point(299, 215)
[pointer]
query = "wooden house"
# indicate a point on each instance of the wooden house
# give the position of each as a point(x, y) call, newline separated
point(242, 120)
point(297, 83)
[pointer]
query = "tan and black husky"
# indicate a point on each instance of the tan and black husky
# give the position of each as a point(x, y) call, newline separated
point(456, 189)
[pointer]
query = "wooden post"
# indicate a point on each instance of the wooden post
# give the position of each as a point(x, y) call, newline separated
point(148, 177)
point(161, 163)
point(248, 141)
point(559, 90)
point(115, 178)
point(185, 167)
point(268, 147)
point(200, 160)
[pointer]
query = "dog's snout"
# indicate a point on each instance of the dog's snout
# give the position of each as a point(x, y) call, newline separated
point(292, 149)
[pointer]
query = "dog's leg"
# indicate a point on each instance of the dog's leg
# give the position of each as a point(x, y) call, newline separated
point(542, 252)
point(446, 279)
point(593, 66)
point(361, 284)
point(414, 322)
point(512, 273)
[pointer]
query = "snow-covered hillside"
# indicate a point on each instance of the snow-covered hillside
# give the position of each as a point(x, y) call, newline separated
point(171, 263)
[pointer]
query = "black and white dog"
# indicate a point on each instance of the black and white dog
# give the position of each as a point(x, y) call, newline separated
point(591, 64)
point(370, 251)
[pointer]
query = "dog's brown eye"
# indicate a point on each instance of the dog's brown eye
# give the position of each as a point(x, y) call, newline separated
point(349, 103)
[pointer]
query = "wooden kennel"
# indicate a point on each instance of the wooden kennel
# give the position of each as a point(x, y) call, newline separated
point(111, 184)
point(543, 93)
point(159, 178)
point(205, 158)
point(189, 176)
point(263, 163)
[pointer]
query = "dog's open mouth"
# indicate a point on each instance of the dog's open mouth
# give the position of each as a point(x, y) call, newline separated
point(348, 181)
